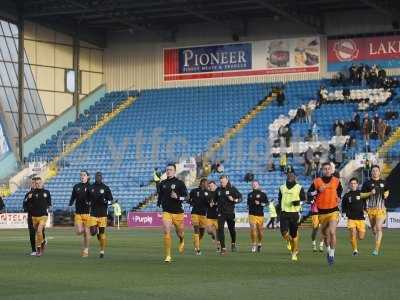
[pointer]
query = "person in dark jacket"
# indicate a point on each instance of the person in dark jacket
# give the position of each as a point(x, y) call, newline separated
point(227, 197)
point(2, 206)
point(28, 208)
point(100, 198)
point(81, 197)
point(171, 194)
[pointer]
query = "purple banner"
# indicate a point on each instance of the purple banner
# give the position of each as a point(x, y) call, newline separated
point(150, 219)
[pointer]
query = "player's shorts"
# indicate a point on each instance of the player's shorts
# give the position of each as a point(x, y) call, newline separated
point(357, 224)
point(376, 213)
point(289, 223)
point(256, 220)
point(212, 222)
point(36, 221)
point(176, 219)
point(329, 217)
point(199, 220)
point(315, 221)
point(82, 219)
point(98, 221)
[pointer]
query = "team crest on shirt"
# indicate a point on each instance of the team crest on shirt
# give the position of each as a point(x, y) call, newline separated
point(101, 191)
point(198, 194)
point(219, 193)
point(173, 186)
point(78, 189)
point(227, 192)
point(358, 197)
point(382, 185)
point(258, 196)
point(45, 195)
point(205, 193)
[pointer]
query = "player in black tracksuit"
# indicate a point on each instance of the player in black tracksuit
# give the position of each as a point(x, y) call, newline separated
point(227, 197)
point(27, 207)
point(198, 199)
point(100, 198)
point(212, 214)
point(354, 205)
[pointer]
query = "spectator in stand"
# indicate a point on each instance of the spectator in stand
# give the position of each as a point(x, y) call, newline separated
point(346, 94)
point(337, 129)
point(363, 105)
point(391, 115)
point(308, 112)
point(316, 166)
point(353, 74)
point(271, 165)
point(373, 134)
point(288, 136)
point(301, 114)
point(381, 128)
point(367, 169)
point(366, 127)
point(356, 121)
point(343, 127)
point(280, 98)
point(283, 162)
point(315, 132)
point(308, 160)
point(322, 95)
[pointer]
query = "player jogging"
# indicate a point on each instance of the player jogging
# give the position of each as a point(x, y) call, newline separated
point(171, 193)
point(376, 207)
point(353, 205)
point(198, 199)
point(291, 194)
point(327, 191)
point(100, 198)
point(256, 201)
point(81, 197)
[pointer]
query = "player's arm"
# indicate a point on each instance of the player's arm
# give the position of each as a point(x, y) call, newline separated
point(386, 192)
point(302, 198)
point(344, 206)
point(248, 200)
point(365, 195)
point(108, 196)
point(312, 191)
point(339, 190)
point(237, 196)
point(159, 195)
point(190, 198)
point(73, 197)
point(182, 193)
point(264, 199)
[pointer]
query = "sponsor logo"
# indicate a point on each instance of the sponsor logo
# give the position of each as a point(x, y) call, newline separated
point(346, 50)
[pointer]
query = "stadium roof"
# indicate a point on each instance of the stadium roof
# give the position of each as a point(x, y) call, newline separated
point(96, 18)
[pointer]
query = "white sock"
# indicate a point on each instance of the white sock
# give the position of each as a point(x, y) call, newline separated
point(314, 243)
point(331, 252)
point(321, 244)
point(328, 250)
point(102, 251)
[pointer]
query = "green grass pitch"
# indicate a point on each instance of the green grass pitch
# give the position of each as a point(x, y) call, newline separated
point(133, 269)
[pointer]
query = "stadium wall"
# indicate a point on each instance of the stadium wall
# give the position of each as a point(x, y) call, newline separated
point(9, 161)
point(135, 60)
point(50, 54)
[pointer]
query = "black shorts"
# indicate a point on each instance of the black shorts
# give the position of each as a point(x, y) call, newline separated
point(289, 223)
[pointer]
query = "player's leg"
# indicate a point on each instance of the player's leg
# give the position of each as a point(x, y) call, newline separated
point(102, 239)
point(284, 228)
point(221, 233)
point(167, 226)
point(293, 232)
point(232, 231)
point(331, 232)
point(86, 241)
point(353, 240)
point(79, 229)
point(314, 231)
point(378, 228)
point(196, 233)
point(39, 238)
point(178, 221)
point(32, 235)
point(260, 235)
point(253, 236)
